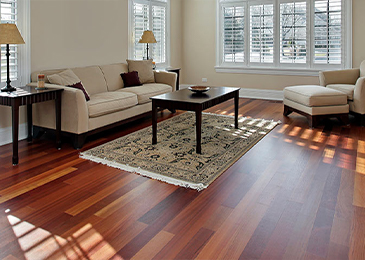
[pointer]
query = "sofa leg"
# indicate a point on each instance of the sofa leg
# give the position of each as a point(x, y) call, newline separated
point(38, 132)
point(344, 119)
point(312, 121)
point(287, 110)
point(79, 141)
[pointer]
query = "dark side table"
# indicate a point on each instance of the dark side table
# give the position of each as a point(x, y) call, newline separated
point(27, 96)
point(177, 71)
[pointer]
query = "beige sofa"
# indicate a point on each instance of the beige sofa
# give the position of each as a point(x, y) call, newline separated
point(110, 103)
point(352, 83)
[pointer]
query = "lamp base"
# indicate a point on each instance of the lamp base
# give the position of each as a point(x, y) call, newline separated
point(8, 89)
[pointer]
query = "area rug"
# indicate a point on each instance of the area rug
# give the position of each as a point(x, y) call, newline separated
point(173, 159)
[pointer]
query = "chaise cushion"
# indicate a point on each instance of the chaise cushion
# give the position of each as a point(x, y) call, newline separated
point(315, 96)
point(109, 102)
point(348, 89)
point(146, 91)
point(144, 68)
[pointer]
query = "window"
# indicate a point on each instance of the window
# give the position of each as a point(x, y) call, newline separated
point(15, 11)
point(8, 10)
point(298, 37)
point(149, 15)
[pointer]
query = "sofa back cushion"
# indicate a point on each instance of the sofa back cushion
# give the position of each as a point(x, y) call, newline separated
point(92, 78)
point(112, 75)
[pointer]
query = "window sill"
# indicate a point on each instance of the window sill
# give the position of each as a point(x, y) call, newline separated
point(268, 71)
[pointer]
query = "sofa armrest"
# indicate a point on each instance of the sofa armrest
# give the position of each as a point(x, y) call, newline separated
point(74, 111)
point(168, 78)
point(339, 77)
point(358, 105)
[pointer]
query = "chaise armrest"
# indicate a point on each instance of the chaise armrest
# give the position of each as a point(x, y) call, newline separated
point(168, 78)
point(339, 77)
point(74, 111)
point(359, 96)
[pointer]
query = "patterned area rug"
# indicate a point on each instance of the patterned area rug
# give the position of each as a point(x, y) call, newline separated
point(173, 159)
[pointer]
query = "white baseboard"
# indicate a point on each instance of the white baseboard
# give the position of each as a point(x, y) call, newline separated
point(262, 94)
point(254, 93)
point(6, 136)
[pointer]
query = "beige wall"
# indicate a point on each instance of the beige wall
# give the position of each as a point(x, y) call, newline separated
point(199, 26)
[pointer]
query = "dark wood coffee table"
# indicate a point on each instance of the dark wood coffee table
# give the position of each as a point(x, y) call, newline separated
point(186, 100)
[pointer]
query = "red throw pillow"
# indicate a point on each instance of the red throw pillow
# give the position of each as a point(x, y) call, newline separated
point(79, 86)
point(131, 79)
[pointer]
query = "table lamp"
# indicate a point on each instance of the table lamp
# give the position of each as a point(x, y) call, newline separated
point(9, 34)
point(147, 37)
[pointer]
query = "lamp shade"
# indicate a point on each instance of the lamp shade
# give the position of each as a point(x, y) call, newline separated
point(9, 34)
point(147, 37)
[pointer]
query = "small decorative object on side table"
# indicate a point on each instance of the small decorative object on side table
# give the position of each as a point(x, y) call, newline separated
point(177, 71)
point(27, 96)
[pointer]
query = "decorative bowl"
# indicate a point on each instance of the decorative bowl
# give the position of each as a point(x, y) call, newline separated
point(199, 89)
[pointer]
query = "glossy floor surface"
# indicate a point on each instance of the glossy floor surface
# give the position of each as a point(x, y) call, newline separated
point(297, 194)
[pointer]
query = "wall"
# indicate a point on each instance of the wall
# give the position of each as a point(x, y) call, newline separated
point(199, 59)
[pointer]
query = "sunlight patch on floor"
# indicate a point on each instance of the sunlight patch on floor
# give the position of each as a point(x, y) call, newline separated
point(85, 243)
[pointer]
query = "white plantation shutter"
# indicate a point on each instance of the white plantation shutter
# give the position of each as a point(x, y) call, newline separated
point(159, 30)
point(327, 32)
point(293, 32)
point(140, 15)
point(262, 33)
point(8, 9)
point(293, 37)
point(233, 33)
point(149, 15)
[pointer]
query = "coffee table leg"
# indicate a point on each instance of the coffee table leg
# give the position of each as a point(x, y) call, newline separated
point(236, 99)
point(154, 123)
point(198, 115)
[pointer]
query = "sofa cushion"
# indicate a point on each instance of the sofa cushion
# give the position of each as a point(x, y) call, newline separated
point(146, 91)
point(313, 96)
point(64, 78)
point(348, 89)
point(130, 79)
point(144, 68)
point(109, 102)
point(112, 75)
point(92, 78)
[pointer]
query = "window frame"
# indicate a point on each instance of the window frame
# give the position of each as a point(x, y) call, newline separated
point(131, 40)
point(23, 50)
point(277, 68)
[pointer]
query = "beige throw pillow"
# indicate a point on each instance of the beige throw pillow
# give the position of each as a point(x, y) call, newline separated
point(64, 78)
point(69, 79)
point(144, 69)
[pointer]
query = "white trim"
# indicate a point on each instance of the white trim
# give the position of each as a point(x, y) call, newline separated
point(6, 134)
point(25, 49)
point(266, 94)
point(268, 71)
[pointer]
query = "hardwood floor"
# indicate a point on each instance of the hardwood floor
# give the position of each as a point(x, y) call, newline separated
point(297, 194)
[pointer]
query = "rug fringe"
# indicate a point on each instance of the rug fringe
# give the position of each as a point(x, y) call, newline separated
point(155, 176)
